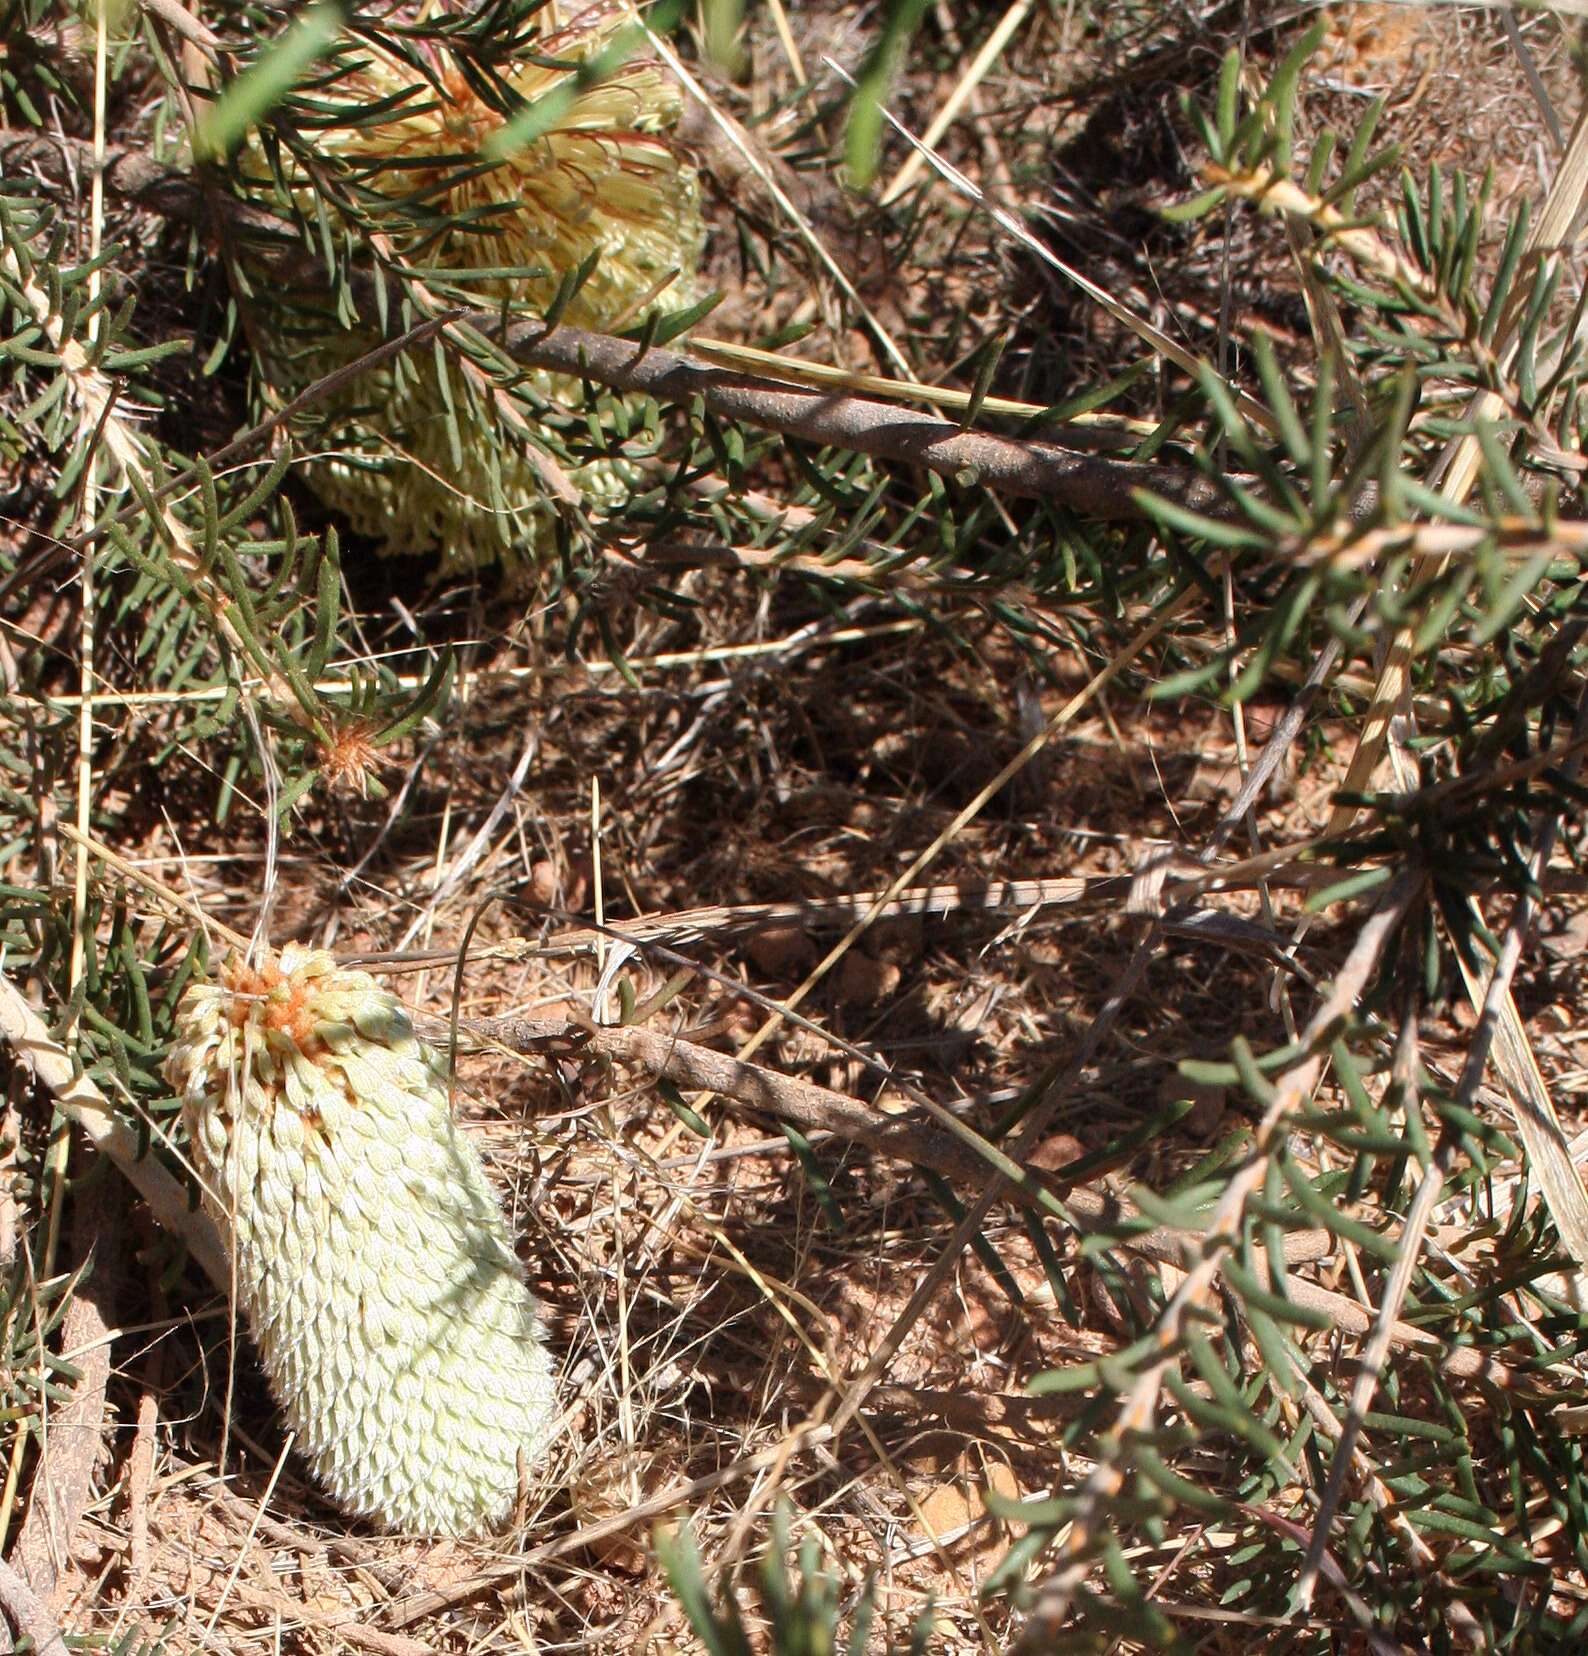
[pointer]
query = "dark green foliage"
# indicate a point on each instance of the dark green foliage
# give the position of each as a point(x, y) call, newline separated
point(802, 1612)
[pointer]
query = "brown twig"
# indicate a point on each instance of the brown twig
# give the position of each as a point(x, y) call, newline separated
point(140, 1480)
point(354, 1632)
point(73, 1433)
point(141, 1457)
point(81, 1101)
point(814, 1108)
point(359, 1555)
point(27, 1614)
point(1094, 486)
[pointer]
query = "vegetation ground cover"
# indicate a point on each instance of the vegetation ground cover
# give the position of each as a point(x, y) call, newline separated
point(1010, 909)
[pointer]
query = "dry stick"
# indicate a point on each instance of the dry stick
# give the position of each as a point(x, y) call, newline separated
point(818, 1109)
point(140, 1463)
point(352, 1630)
point(363, 1557)
point(781, 1012)
point(27, 1615)
point(1115, 430)
point(814, 1108)
point(1141, 1402)
point(681, 926)
point(1286, 867)
point(81, 1101)
point(1094, 486)
point(71, 1444)
point(184, 22)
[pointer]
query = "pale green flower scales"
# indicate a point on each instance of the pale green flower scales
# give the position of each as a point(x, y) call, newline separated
point(390, 1313)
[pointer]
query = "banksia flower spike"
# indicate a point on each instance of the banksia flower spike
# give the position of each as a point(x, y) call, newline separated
point(389, 1310)
point(598, 177)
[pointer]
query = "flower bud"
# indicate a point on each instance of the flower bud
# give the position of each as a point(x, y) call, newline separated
point(419, 458)
point(371, 1255)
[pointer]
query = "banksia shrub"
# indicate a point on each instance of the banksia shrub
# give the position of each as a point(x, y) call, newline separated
point(524, 166)
point(389, 1310)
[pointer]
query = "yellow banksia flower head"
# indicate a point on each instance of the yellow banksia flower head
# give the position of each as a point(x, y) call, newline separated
point(390, 1313)
point(396, 478)
point(598, 175)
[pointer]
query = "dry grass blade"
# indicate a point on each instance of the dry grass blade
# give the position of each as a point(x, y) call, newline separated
point(1170, 349)
point(779, 365)
point(975, 72)
point(1549, 1160)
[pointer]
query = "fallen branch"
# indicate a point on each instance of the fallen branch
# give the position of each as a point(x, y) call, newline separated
point(1089, 484)
point(73, 1432)
point(1093, 486)
point(285, 1614)
point(814, 1108)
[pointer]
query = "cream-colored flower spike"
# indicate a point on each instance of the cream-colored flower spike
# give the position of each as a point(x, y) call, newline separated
point(372, 1257)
